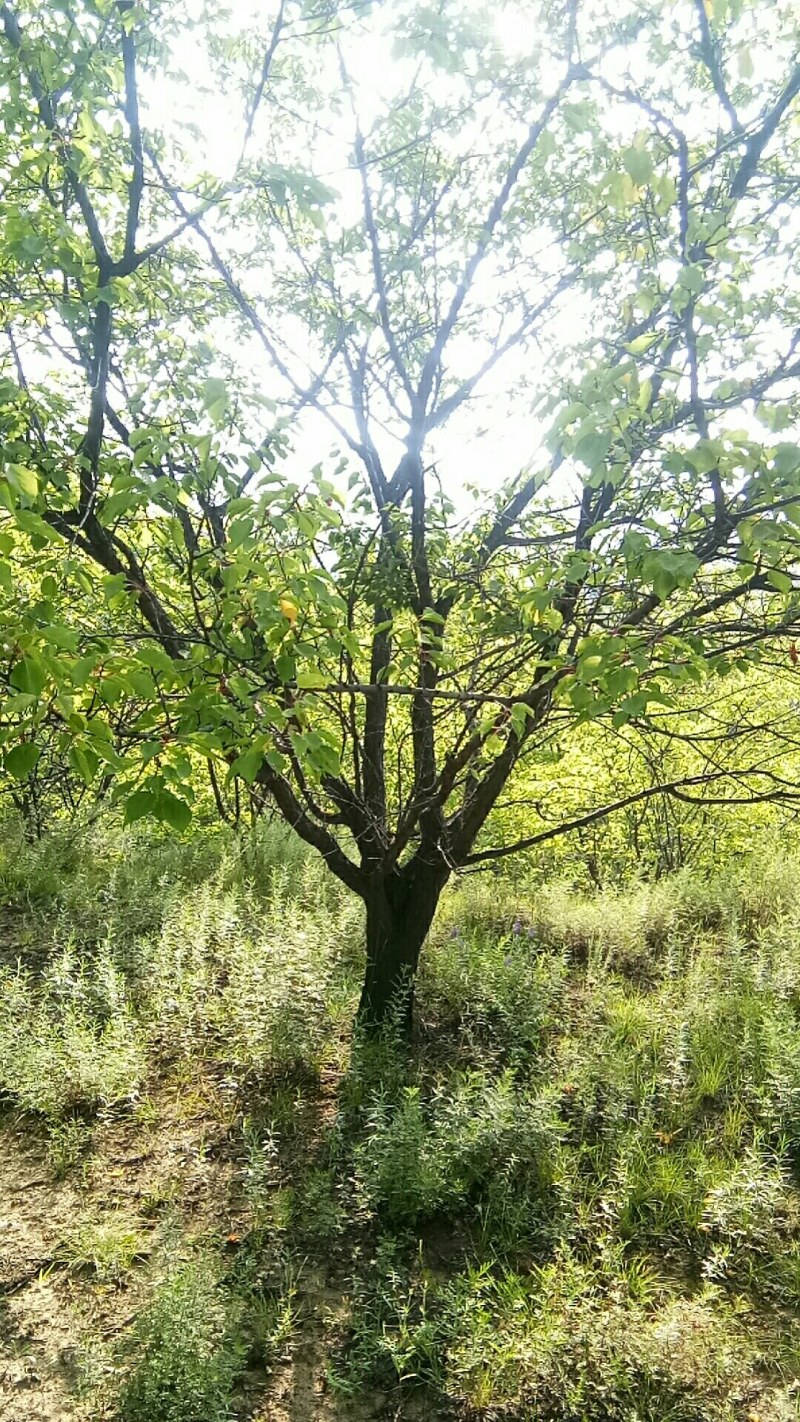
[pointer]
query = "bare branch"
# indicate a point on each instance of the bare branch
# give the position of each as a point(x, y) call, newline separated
point(669, 787)
point(487, 232)
point(448, 407)
point(377, 269)
point(710, 52)
point(136, 185)
point(265, 73)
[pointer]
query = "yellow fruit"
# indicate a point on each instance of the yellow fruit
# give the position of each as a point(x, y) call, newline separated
point(289, 609)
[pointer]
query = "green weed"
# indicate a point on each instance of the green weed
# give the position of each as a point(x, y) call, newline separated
point(187, 1350)
point(69, 1142)
point(575, 1198)
point(69, 1040)
point(107, 1248)
point(272, 1319)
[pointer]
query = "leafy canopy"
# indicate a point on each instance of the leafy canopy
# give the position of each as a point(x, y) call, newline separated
point(242, 377)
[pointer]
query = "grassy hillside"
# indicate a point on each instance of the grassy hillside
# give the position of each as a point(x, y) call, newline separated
point(576, 1200)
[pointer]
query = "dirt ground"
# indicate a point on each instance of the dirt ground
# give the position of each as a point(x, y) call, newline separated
point(60, 1326)
point(53, 1319)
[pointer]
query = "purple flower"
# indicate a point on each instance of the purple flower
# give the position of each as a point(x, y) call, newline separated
point(517, 928)
point(454, 933)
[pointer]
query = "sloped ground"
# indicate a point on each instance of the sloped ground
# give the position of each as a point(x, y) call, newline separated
point(61, 1325)
point(576, 1200)
point(57, 1318)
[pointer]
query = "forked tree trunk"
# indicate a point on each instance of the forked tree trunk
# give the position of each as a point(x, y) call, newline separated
point(400, 911)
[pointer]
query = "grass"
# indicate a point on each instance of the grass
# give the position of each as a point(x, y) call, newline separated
point(578, 1199)
point(106, 1249)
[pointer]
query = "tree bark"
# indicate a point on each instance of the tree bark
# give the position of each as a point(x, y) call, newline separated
point(400, 911)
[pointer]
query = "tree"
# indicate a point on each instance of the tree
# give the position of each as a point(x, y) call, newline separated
point(595, 229)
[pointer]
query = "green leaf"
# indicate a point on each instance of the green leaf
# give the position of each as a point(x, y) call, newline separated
point(621, 681)
point(277, 761)
point(114, 589)
point(638, 164)
point(590, 667)
point(84, 762)
point(81, 670)
point(139, 805)
point(311, 680)
point(306, 524)
point(239, 530)
point(20, 760)
point(705, 455)
point(154, 657)
point(642, 343)
point(578, 116)
point(787, 458)
point(62, 636)
point(32, 524)
point(247, 766)
point(24, 481)
point(519, 716)
point(592, 448)
point(667, 570)
point(692, 278)
point(215, 397)
point(780, 581)
point(117, 504)
point(173, 811)
point(29, 675)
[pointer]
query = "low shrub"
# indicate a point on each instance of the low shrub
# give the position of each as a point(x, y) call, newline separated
point(187, 1350)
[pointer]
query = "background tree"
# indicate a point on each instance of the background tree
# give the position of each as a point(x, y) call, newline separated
point(595, 228)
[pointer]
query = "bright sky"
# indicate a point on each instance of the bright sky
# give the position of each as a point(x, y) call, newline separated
point(499, 435)
point(494, 439)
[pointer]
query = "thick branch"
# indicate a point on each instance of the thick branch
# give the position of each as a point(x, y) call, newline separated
point(710, 52)
point(44, 105)
point(758, 141)
point(315, 835)
point(97, 543)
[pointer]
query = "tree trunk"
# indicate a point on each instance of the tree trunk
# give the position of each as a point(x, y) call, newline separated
point(400, 911)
